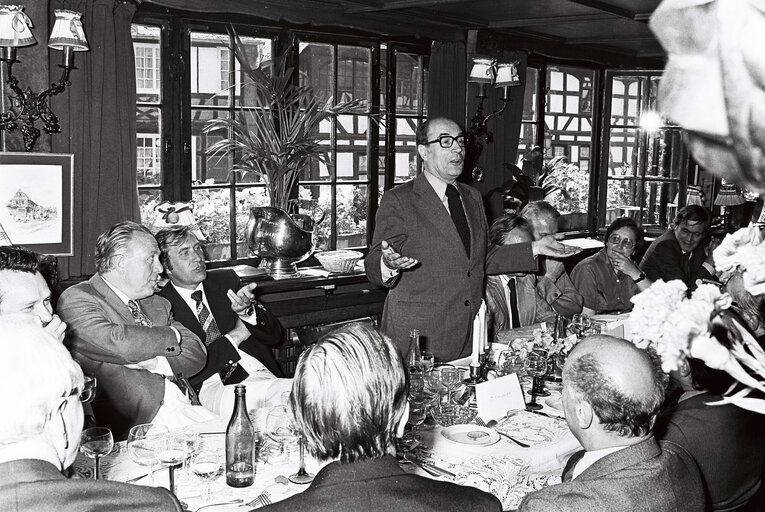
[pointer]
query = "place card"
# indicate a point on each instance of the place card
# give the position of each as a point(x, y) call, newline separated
point(495, 397)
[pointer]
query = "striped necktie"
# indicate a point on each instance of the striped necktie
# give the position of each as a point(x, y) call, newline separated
point(206, 320)
point(138, 317)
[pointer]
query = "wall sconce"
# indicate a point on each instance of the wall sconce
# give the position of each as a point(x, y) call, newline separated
point(487, 71)
point(26, 106)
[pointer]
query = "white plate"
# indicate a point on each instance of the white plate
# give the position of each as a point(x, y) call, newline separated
point(472, 435)
point(555, 402)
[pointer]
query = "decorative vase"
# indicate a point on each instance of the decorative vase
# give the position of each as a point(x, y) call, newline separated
point(279, 239)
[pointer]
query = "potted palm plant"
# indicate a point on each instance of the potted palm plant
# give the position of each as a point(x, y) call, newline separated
point(277, 140)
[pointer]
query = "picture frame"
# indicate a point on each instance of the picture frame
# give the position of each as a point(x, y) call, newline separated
point(36, 202)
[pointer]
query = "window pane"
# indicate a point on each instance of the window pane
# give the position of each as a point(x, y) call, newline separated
point(622, 197)
point(625, 99)
point(210, 69)
point(208, 168)
point(353, 65)
point(352, 207)
point(567, 186)
point(212, 208)
point(666, 153)
point(147, 200)
point(146, 45)
point(657, 195)
point(528, 138)
point(383, 75)
point(351, 135)
point(624, 151)
point(317, 68)
point(408, 82)
point(245, 199)
point(258, 51)
point(406, 149)
point(148, 146)
point(316, 201)
point(530, 94)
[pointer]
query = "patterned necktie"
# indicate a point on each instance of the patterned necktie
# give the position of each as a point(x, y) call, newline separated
point(210, 326)
point(138, 317)
point(458, 216)
point(516, 321)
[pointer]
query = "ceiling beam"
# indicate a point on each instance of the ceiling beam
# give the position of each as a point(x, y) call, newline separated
point(548, 20)
point(604, 6)
point(608, 39)
point(400, 4)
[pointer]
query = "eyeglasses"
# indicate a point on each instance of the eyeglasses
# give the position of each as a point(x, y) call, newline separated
point(624, 243)
point(446, 141)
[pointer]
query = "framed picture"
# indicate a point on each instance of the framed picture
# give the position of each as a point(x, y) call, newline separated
point(36, 201)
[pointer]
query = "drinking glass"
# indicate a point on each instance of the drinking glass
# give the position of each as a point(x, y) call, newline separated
point(417, 409)
point(280, 429)
point(88, 392)
point(510, 362)
point(450, 378)
point(302, 476)
point(141, 444)
point(536, 367)
point(579, 324)
point(206, 464)
point(171, 450)
point(427, 360)
point(96, 442)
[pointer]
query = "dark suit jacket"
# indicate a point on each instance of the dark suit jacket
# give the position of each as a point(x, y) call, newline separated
point(532, 307)
point(726, 441)
point(646, 477)
point(440, 296)
point(380, 484)
point(664, 260)
point(267, 333)
point(31, 485)
point(103, 338)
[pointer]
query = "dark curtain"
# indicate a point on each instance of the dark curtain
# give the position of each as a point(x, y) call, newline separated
point(446, 81)
point(506, 130)
point(98, 124)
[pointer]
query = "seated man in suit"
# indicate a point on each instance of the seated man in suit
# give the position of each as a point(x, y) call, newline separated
point(514, 300)
point(349, 397)
point(125, 336)
point(679, 253)
point(237, 331)
point(23, 289)
point(554, 283)
point(40, 432)
point(612, 391)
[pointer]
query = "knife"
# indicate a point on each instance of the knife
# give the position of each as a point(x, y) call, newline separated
point(549, 415)
point(427, 466)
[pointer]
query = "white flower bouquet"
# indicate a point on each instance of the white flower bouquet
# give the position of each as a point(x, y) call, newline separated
point(679, 325)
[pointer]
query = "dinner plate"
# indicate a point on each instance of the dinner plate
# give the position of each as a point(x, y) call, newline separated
point(473, 435)
point(555, 402)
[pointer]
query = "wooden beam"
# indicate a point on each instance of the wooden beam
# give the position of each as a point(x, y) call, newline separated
point(400, 4)
point(549, 20)
point(608, 39)
point(604, 6)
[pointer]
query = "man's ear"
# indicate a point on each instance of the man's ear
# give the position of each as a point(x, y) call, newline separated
point(584, 414)
point(422, 150)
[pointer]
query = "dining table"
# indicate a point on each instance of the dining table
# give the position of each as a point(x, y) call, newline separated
point(496, 463)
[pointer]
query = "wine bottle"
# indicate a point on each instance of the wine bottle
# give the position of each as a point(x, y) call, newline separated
point(240, 442)
point(413, 357)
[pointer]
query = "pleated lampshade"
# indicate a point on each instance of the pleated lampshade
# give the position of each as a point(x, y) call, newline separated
point(694, 196)
point(729, 196)
point(14, 27)
point(507, 75)
point(67, 32)
point(482, 70)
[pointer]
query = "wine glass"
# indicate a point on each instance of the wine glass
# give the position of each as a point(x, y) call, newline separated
point(141, 443)
point(171, 449)
point(427, 360)
point(280, 429)
point(206, 464)
point(450, 378)
point(88, 392)
point(510, 362)
point(536, 366)
point(96, 442)
point(579, 324)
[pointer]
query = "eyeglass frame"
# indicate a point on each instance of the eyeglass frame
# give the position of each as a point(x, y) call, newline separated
point(620, 242)
point(453, 139)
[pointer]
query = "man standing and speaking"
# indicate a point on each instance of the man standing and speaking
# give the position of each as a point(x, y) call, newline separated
point(430, 248)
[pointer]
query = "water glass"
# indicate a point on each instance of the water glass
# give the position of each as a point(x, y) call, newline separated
point(427, 360)
point(142, 443)
point(171, 450)
point(207, 464)
point(96, 442)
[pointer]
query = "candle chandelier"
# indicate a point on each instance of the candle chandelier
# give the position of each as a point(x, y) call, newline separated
point(26, 106)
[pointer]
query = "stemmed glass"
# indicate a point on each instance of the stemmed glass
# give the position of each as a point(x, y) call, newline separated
point(536, 367)
point(206, 464)
point(141, 444)
point(510, 362)
point(96, 442)
point(171, 449)
point(280, 429)
point(450, 378)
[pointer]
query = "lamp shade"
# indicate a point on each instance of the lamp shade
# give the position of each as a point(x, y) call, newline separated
point(694, 196)
point(482, 70)
point(729, 196)
point(14, 27)
point(67, 32)
point(507, 75)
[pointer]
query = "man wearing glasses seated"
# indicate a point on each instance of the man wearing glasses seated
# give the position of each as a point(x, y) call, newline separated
point(680, 252)
point(608, 280)
point(349, 398)
point(40, 432)
point(430, 248)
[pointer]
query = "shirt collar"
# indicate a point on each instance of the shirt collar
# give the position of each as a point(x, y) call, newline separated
point(439, 185)
point(185, 293)
point(590, 458)
point(124, 298)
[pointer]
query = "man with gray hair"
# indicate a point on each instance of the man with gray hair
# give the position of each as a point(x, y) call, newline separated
point(612, 391)
point(349, 398)
point(554, 283)
point(40, 431)
point(125, 335)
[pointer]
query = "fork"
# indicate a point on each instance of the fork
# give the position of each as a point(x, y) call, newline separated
point(230, 502)
point(263, 499)
point(481, 423)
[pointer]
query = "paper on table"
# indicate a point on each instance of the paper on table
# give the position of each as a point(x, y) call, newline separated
point(495, 397)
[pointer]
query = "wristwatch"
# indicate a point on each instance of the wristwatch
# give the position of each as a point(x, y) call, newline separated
point(640, 278)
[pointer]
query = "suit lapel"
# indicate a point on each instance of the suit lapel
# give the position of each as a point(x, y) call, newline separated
point(181, 311)
point(495, 288)
point(473, 217)
point(99, 285)
point(432, 208)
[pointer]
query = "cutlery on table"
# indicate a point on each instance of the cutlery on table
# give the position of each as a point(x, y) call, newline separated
point(263, 499)
point(549, 415)
point(432, 469)
point(492, 424)
point(231, 502)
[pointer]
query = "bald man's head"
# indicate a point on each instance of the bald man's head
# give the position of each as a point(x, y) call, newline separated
point(623, 384)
